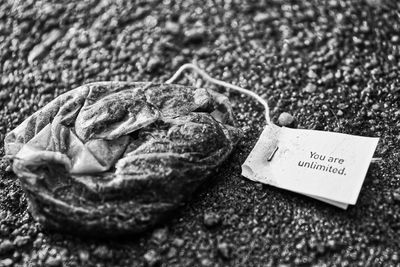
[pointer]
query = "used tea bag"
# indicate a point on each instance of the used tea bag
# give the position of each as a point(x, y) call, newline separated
point(117, 157)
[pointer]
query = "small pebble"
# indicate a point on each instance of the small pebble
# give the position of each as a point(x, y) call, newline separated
point(9, 168)
point(376, 107)
point(172, 27)
point(153, 64)
point(328, 77)
point(206, 262)
point(332, 244)
point(53, 261)
point(152, 258)
point(195, 35)
point(357, 72)
point(102, 252)
point(211, 219)
point(259, 186)
point(21, 241)
point(159, 236)
point(6, 262)
point(285, 119)
point(83, 40)
point(396, 195)
point(203, 52)
point(262, 17)
point(4, 95)
point(178, 242)
point(267, 80)
point(84, 255)
point(312, 75)
point(171, 253)
point(43, 48)
point(6, 246)
point(223, 250)
point(310, 88)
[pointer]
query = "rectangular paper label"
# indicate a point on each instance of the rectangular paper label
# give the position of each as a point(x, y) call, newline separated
point(324, 165)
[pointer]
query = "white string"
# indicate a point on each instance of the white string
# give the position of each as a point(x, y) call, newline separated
point(210, 79)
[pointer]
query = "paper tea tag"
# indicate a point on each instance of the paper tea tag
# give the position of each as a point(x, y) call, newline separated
point(327, 166)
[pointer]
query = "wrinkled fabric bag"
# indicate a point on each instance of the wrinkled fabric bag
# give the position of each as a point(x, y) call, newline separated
point(117, 157)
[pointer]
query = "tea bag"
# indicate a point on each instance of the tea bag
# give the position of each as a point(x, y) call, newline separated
point(118, 157)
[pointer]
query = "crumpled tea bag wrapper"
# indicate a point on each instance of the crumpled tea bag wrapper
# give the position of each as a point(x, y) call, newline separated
point(328, 166)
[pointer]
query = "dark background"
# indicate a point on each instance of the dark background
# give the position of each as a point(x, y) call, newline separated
point(333, 65)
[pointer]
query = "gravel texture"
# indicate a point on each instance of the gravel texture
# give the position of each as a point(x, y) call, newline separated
point(332, 65)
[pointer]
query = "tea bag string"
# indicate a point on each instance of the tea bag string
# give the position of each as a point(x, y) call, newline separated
point(210, 79)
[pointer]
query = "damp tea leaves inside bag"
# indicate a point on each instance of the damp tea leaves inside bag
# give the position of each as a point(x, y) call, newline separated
point(114, 158)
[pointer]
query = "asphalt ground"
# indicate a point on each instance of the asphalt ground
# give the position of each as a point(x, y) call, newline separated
point(333, 65)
